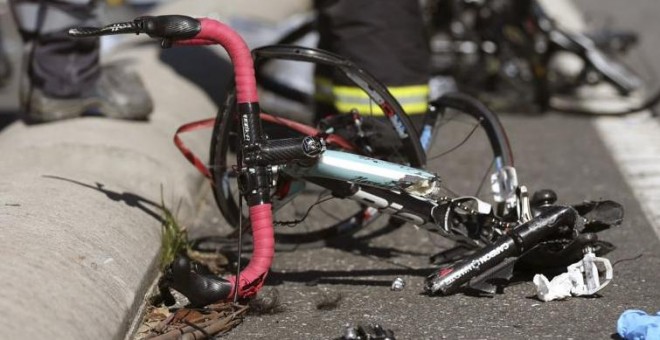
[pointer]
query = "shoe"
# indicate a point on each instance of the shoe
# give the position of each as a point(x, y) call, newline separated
point(123, 95)
point(118, 94)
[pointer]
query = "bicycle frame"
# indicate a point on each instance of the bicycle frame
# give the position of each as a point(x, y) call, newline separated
point(405, 192)
point(408, 194)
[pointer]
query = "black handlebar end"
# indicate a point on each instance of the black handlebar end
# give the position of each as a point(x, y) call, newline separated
point(170, 27)
point(166, 27)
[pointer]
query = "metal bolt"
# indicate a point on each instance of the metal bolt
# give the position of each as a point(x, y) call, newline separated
point(398, 284)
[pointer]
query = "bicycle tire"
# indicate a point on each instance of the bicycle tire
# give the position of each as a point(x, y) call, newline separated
point(218, 151)
point(498, 145)
point(226, 197)
point(223, 125)
point(378, 92)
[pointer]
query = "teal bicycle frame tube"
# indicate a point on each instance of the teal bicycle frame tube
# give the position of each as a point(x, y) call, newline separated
point(364, 170)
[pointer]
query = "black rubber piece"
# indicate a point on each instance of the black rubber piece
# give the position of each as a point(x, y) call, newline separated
point(200, 288)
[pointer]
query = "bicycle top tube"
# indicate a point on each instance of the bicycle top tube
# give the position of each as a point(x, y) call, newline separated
point(364, 170)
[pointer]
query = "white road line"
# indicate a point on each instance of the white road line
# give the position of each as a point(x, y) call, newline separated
point(634, 141)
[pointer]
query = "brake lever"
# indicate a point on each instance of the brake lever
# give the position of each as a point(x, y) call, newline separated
point(166, 27)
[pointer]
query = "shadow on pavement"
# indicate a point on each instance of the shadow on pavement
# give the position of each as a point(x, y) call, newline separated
point(358, 247)
point(203, 67)
point(130, 199)
point(344, 277)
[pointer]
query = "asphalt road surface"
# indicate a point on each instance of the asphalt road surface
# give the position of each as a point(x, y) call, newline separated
point(558, 151)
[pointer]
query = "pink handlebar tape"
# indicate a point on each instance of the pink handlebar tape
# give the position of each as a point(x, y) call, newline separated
point(254, 275)
point(214, 32)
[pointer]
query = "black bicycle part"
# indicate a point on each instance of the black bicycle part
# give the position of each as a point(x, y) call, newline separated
point(168, 27)
point(189, 279)
point(521, 33)
point(450, 279)
point(220, 170)
point(554, 255)
point(582, 45)
point(224, 126)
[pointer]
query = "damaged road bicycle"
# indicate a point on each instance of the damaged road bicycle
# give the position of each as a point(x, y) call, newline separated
point(511, 228)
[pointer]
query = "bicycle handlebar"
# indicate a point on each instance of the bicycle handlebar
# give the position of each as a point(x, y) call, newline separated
point(164, 26)
point(184, 30)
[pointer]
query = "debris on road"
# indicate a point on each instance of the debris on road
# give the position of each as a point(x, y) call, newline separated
point(267, 303)
point(636, 324)
point(185, 323)
point(367, 332)
point(329, 301)
point(398, 284)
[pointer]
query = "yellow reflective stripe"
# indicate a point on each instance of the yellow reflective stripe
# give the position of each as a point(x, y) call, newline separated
point(375, 110)
point(396, 91)
point(323, 90)
point(409, 91)
point(413, 99)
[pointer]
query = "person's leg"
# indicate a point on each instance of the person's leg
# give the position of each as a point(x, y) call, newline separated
point(64, 74)
point(387, 39)
point(5, 65)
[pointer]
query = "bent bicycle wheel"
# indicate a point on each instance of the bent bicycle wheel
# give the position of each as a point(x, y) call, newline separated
point(467, 147)
point(344, 221)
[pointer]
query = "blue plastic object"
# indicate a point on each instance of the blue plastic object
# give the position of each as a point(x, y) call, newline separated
point(636, 324)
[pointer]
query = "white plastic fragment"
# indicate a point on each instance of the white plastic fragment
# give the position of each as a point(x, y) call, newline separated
point(582, 279)
point(559, 288)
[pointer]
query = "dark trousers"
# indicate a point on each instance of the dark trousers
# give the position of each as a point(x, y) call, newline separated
point(58, 65)
point(385, 37)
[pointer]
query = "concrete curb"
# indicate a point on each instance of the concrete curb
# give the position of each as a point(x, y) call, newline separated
point(79, 215)
point(79, 212)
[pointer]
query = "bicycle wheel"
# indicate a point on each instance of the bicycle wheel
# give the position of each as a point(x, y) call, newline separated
point(400, 126)
point(470, 154)
point(226, 193)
